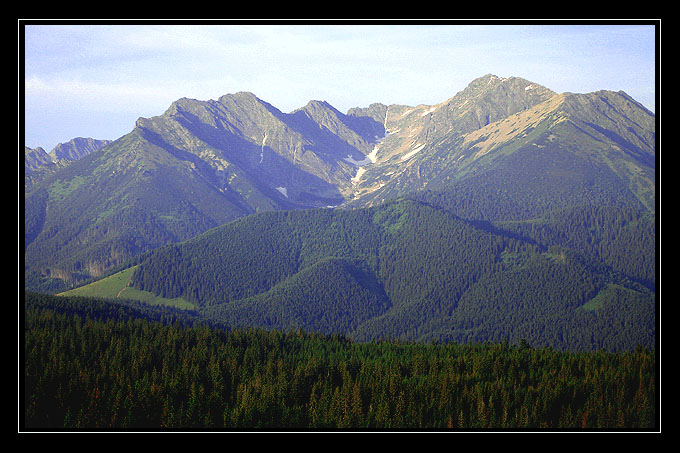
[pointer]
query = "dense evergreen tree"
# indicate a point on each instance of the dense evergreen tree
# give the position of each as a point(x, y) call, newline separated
point(92, 364)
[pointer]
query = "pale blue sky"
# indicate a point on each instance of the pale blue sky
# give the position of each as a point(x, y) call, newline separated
point(96, 80)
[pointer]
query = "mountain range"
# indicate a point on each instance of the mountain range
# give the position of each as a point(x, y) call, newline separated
point(517, 178)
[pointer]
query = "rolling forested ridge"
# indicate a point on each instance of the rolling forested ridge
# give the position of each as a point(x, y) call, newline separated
point(409, 271)
point(486, 263)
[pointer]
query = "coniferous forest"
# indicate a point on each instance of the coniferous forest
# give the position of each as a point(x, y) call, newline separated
point(95, 365)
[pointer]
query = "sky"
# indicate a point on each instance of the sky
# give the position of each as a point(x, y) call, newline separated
point(95, 80)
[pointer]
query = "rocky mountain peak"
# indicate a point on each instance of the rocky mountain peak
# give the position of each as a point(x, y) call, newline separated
point(77, 148)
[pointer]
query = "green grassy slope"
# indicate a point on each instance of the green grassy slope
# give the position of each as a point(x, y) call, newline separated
point(117, 286)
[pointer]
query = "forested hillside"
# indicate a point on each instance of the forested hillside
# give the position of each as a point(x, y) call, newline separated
point(622, 238)
point(412, 271)
point(97, 365)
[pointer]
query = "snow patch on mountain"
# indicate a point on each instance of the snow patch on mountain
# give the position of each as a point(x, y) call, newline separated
point(373, 155)
point(413, 151)
point(357, 177)
point(358, 163)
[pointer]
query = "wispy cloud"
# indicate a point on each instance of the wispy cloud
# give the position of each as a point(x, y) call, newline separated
point(93, 96)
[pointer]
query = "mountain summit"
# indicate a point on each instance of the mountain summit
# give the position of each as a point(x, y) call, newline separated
point(513, 144)
point(38, 163)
